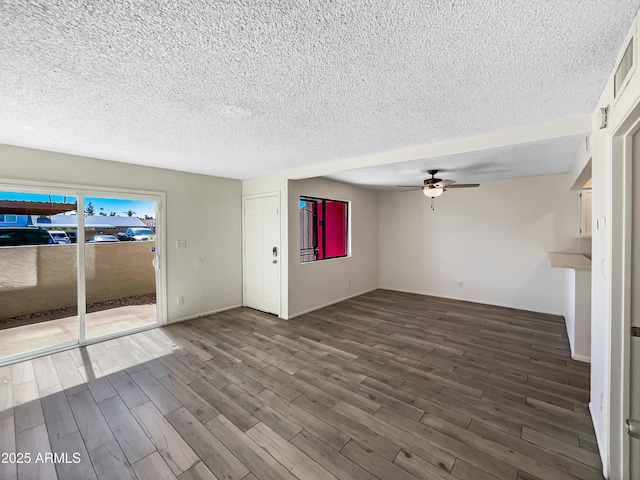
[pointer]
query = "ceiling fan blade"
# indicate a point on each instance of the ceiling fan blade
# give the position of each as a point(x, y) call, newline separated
point(463, 185)
point(444, 183)
point(410, 188)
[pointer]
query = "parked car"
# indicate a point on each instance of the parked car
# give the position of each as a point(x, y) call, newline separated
point(16, 236)
point(103, 239)
point(59, 236)
point(139, 234)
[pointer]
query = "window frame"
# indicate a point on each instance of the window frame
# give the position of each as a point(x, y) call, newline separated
point(321, 202)
point(9, 218)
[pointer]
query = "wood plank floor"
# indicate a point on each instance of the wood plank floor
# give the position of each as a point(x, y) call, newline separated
point(386, 385)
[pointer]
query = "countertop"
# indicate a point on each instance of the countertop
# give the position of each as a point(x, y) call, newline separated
point(577, 261)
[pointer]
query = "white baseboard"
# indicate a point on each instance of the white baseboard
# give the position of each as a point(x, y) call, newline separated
point(504, 305)
point(601, 446)
point(199, 315)
point(581, 358)
point(313, 309)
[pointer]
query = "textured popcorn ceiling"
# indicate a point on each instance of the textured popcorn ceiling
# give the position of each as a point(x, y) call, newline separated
point(241, 88)
point(527, 159)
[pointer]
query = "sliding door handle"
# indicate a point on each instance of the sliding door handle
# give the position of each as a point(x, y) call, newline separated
point(633, 428)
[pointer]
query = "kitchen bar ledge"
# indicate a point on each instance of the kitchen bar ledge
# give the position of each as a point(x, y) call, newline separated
point(576, 261)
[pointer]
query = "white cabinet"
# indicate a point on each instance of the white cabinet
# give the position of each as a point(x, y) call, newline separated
point(585, 212)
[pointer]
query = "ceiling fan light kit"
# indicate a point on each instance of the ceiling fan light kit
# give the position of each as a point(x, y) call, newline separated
point(432, 192)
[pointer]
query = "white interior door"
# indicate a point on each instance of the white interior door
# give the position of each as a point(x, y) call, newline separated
point(262, 253)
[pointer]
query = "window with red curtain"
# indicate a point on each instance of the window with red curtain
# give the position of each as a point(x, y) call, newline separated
point(324, 229)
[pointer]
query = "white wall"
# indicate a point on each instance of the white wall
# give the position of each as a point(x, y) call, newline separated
point(570, 305)
point(582, 333)
point(494, 239)
point(205, 211)
point(577, 313)
point(315, 284)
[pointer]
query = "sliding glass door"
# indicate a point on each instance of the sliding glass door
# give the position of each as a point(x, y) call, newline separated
point(120, 258)
point(38, 271)
point(76, 267)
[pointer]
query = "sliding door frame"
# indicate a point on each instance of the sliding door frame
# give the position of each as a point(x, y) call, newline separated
point(81, 275)
point(81, 192)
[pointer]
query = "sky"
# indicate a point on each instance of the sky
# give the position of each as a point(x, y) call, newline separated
point(120, 206)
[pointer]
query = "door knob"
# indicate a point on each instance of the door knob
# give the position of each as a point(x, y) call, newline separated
point(633, 428)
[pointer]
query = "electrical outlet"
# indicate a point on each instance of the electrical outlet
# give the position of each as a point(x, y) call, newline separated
point(460, 284)
point(180, 300)
point(181, 244)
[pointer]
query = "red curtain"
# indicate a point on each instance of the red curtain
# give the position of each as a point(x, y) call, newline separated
point(336, 229)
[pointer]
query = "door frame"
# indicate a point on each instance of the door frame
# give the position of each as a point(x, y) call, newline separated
point(244, 249)
point(81, 192)
point(160, 271)
point(621, 294)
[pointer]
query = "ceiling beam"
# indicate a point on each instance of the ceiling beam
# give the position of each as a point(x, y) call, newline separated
point(516, 136)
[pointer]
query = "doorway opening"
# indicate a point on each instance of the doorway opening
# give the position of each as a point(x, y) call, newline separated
point(624, 374)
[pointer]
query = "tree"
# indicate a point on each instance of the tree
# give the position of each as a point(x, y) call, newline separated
point(89, 210)
point(130, 213)
point(102, 213)
point(148, 217)
point(112, 214)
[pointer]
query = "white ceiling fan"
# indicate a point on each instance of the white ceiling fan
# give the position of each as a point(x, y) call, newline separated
point(434, 187)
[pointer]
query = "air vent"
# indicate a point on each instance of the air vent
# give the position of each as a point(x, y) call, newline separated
point(622, 72)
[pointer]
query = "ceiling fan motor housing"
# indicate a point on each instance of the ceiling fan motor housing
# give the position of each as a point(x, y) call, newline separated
point(433, 180)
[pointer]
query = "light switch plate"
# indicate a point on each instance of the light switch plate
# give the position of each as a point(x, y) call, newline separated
point(181, 244)
point(601, 224)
